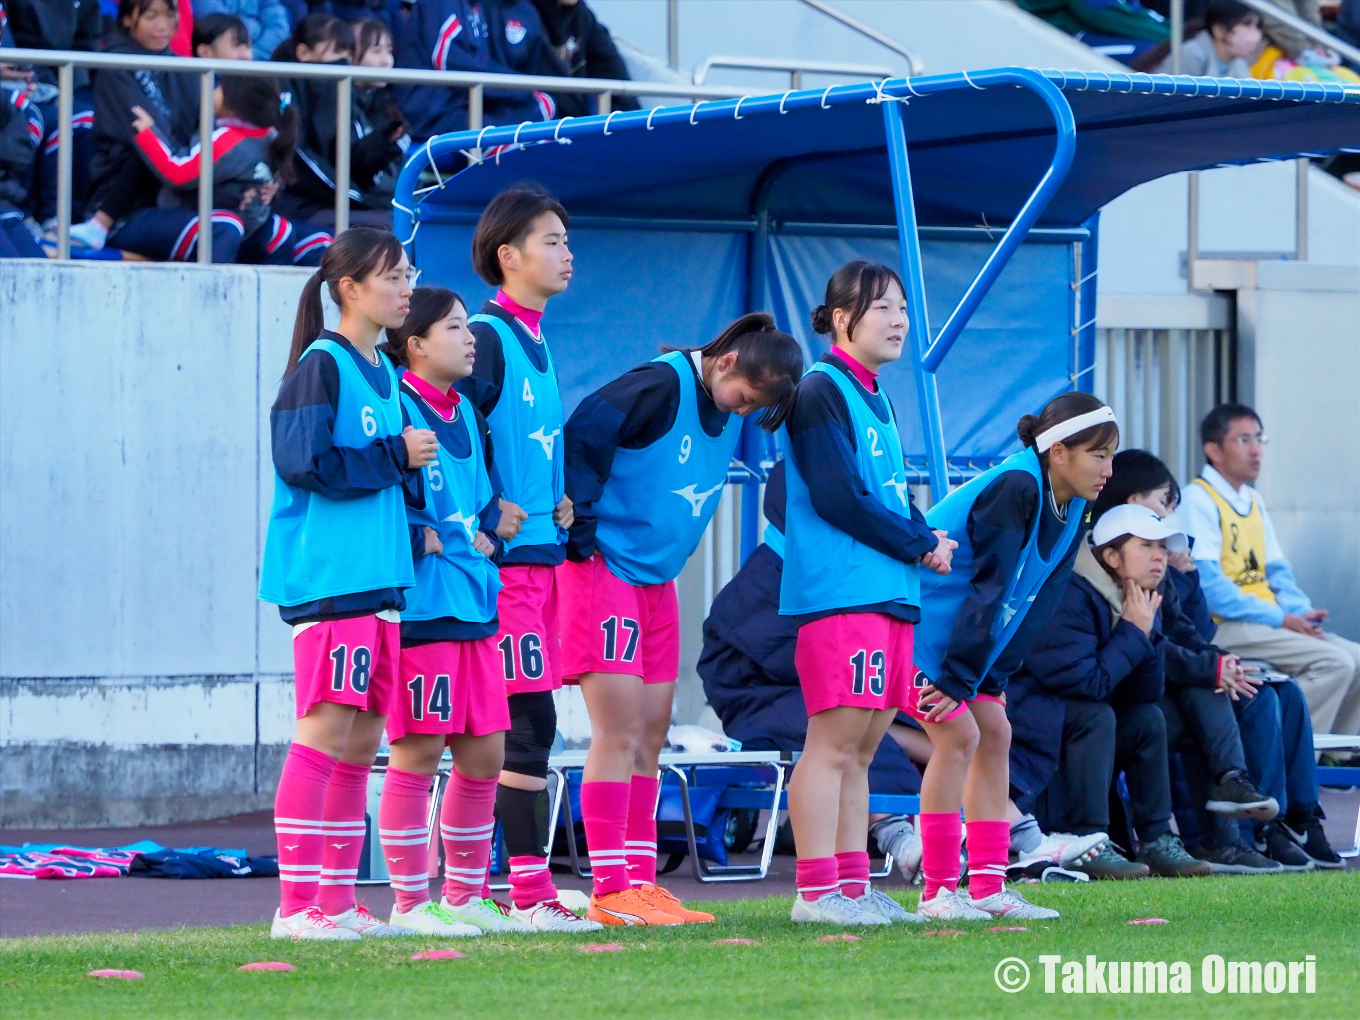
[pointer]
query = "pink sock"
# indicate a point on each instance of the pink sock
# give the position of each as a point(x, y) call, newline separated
point(989, 847)
point(941, 837)
point(404, 828)
point(640, 835)
point(467, 822)
point(853, 868)
point(604, 807)
point(530, 881)
point(298, 809)
point(816, 877)
point(346, 798)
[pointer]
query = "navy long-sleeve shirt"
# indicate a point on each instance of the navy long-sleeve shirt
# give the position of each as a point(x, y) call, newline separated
point(633, 411)
point(302, 433)
point(483, 389)
point(823, 445)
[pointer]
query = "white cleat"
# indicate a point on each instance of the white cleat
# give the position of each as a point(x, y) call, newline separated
point(1061, 849)
point(551, 915)
point(365, 925)
point(888, 908)
point(1010, 904)
point(485, 914)
point(834, 908)
point(431, 919)
point(948, 905)
point(309, 925)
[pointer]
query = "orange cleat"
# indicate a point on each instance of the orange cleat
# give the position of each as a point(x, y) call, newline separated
point(629, 907)
point(666, 900)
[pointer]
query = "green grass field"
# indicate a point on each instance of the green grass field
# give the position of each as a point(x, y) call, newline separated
point(791, 972)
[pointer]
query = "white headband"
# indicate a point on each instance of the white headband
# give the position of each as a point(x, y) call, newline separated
point(1071, 427)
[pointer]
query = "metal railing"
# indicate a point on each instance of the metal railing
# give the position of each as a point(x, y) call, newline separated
point(343, 75)
point(795, 68)
point(855, 25)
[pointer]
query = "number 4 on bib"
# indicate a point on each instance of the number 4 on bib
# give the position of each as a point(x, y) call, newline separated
point(528, 395)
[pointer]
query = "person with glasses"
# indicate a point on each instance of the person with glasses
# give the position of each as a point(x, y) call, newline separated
point(1250, 586)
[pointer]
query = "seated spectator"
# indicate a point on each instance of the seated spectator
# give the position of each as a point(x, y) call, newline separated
point(121, 181)
point(381, 135)
point(44, 25)
point(221, 37)
point(1084, 705)
point(21, 131)
point(584, 45)
point(252, 145)
point(486, 36)
point(1249, 584)
point(1292, 43)
point(1224, 47)
point(266, 21)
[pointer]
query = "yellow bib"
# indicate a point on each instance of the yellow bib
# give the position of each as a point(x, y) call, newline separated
point(1244, 545)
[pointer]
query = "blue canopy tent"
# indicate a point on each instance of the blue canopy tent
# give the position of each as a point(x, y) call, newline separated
point(983, 187)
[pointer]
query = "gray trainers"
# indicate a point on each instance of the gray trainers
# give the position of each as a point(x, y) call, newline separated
point(897, 837)
point(1166, 856)
point(1107, 862)
point(1238, 859)
point(834, 908)
point(888, 908)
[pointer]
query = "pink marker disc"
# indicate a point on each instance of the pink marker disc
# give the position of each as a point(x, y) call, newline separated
point(267, 965)
point(1008, 928)
point(839, 938)
point(1149, 920)
point(736, 942)
point(120, 975)
point(439, 954)
point(609, 947)
point(943, 931)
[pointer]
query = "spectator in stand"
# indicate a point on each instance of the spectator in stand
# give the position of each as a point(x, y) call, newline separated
point(1250, 585)
point(488, 36)
point(1224, 47)
point(1084, 705)
point(381, 134)
point(121, 182)
point(21, 132)
point(58, 25)
point(181, 43)
point(1293, 43)
point(362, 10)
point(266, 20)
point(221, 37)
point(583, 44)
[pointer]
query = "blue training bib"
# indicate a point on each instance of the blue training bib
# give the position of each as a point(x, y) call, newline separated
point(824, 568)
point(459, 582)
point(658, 500)
point(318, 548)
point(941, 597)
point(526, 433)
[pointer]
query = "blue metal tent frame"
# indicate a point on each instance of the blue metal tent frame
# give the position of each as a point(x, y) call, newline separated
point(482, 146)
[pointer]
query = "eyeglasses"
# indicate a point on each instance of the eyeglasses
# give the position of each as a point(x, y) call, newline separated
point(1248, 439)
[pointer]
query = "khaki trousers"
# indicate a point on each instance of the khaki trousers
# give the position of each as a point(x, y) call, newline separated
point(1327, 669)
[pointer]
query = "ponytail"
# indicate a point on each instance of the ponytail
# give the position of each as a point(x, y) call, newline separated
point(768, 358)
point(357, 253)
point(1065, 407)
point(264, 103)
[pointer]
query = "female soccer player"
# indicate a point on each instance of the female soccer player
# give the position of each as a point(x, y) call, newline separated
point(520, 246)
point(853, 541)
point(450, 689)
point(337, 560)
point(1018, 526)
point(647, 459)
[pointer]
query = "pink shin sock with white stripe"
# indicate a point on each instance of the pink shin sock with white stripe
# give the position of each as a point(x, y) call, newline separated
point(852, 866)
point(816, 877)
point(989, 848)
point(941, 836)
point(604, 807)
point(639, 840)
point(530, 881)
point(466, 824)
point(404, 828)
point(346, 798)
point(298, 808)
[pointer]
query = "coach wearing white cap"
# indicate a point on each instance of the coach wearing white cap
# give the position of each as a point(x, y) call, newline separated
point(1250, 585)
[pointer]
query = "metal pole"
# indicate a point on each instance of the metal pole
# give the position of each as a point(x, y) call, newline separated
point(66, 96)
point(344, 129)
point(606, 102)
point(918, 327)
point(475, 97)
point(1301, 209)
point(1192, 228)
point(796, 80)
point(673, 34)
point(207, 120)
point(1177, 34)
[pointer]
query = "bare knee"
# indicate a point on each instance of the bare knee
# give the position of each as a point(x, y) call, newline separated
point(955, 741)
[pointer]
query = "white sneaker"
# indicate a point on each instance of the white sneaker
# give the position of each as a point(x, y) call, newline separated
point(1010, 904)
point(834, 908)
point(898, 837)
point(551, 915)
point(90, 234)
point(948, 905)
point(1061, 849)
point(888, 908)
point(358, 919)
point(485, 914)
point(431, 919)
point(307, 925)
